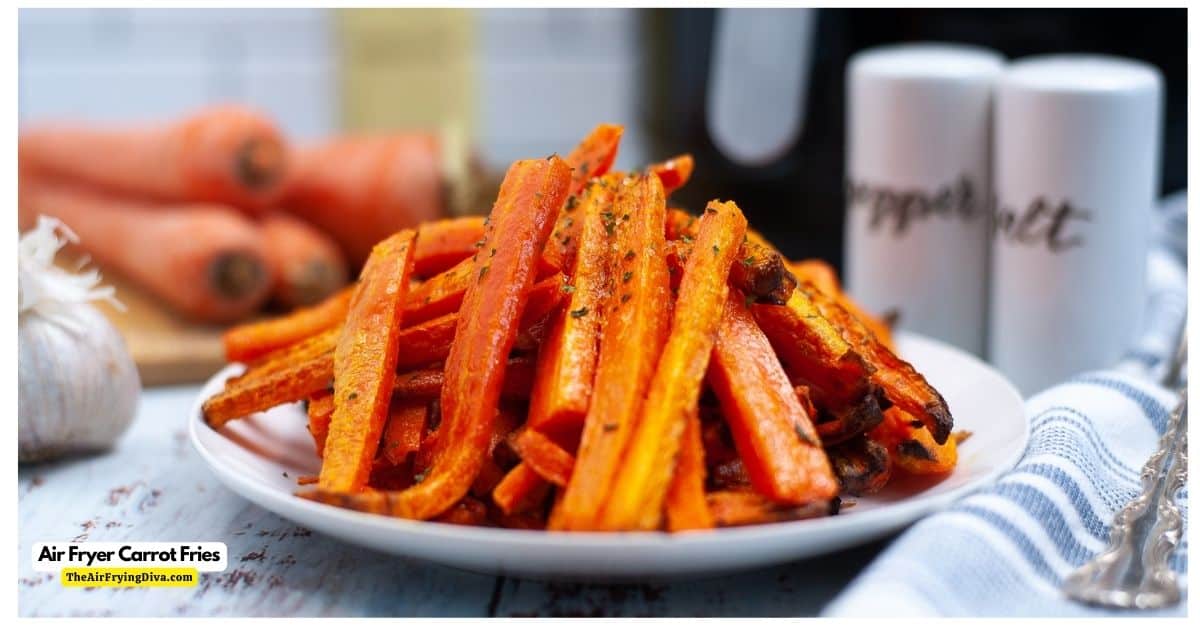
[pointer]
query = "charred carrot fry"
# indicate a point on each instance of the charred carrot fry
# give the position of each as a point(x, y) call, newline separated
point(761, 272)
point(901, 383)
point(205, 261)
point(740, 508)
point(544, 456)
point(813, 350)
point(443, 243)
point(521, 490)
point(405, 428)
point(674, 172)
point(249, 341)
point(567, 357)
point(365, 365)
point(320, 411)
point(863, 465)
point(219, 155)
point(307, 264)
point(531, 195)
point(632, 336)
point(774, 434)
point(912, 447)
point(591, 158)
point(686, 506)
point(636, 500)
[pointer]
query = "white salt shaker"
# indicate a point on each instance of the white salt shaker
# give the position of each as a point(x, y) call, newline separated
point(918, 168)
point(1077, 172)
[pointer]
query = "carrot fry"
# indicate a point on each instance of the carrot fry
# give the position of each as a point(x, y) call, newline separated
point(246, 342)
point(320, 411)
point(686, 505)
point(405, 427)
point(674, 172)
point(774, 434)
point(567, 358)
point(740, 508)
point(912, 447)
point(427, 383)
point(441, 294)
point(901, 383)
point(863, 466)
point(306, 263)
point(761, 272)
point(220, 154)
point(532, 193)
point(591, 158)
point(521, 490)
point(307, 368)
point(365, 365)
point(823, 278)
point(467, 512)
point(545, 457)
point(632, 335)
point(637, 496)
point(291, 383)
point(443, 243)
point(813, 350)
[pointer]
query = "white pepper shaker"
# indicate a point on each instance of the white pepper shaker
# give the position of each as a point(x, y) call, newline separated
point(917, 169)
point(1077, 171)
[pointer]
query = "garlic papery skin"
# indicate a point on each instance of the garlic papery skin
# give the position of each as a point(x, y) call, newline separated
point(77, 386)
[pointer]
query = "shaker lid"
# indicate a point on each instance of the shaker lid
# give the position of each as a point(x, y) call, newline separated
point(933, 61)
point(1081, 73)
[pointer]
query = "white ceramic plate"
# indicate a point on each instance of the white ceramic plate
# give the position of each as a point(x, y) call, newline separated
point(261, 456)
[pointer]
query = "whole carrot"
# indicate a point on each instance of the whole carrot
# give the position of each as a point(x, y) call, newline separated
point(206, 261)
point(307, 264)
point(362, 189)
point(223, 154)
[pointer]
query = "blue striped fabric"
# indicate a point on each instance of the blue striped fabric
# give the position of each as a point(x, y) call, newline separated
point(1005, 549)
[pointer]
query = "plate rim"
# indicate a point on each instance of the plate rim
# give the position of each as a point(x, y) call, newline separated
point(883, 519)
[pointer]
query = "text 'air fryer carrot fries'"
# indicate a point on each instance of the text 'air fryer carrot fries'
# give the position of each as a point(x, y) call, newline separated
point(593, 361)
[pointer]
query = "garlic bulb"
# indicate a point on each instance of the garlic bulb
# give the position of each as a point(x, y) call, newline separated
point(77, 385)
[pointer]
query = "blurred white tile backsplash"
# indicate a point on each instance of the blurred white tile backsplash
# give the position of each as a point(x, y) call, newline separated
point(546, 76)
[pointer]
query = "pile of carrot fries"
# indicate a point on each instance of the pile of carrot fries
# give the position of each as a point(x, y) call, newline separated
point(217, 214)
point(586, 358)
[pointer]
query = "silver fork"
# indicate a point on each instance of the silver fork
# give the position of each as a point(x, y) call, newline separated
point(1133, 572)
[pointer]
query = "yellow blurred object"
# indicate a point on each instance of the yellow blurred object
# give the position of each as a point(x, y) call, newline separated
point(414, 69)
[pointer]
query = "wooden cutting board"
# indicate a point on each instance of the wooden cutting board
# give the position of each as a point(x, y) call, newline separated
point(167, 348)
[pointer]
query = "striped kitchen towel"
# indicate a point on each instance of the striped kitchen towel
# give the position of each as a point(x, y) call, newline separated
point(1005, 549)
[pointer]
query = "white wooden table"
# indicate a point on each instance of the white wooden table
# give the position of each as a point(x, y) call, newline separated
point(154, 487)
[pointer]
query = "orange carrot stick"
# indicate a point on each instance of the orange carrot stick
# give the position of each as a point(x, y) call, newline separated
point(823, 278)
point(282, 385)
point(686, 506)
point(207, 262)
point(306, 263)
point(567, 358)
point(441, 294)
point(773, 433)
point(320, 411)
point(740, 508)
point(405, 428)
point(365, 365)
point(636, 500)
point(545, 457)
point(443, 243)
point(361, 189)
point(635, 327)
point(249, 341)
point(532, 193)
point(591, 158)
point(521, 490)
point(218, 155)
point(673, 172)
